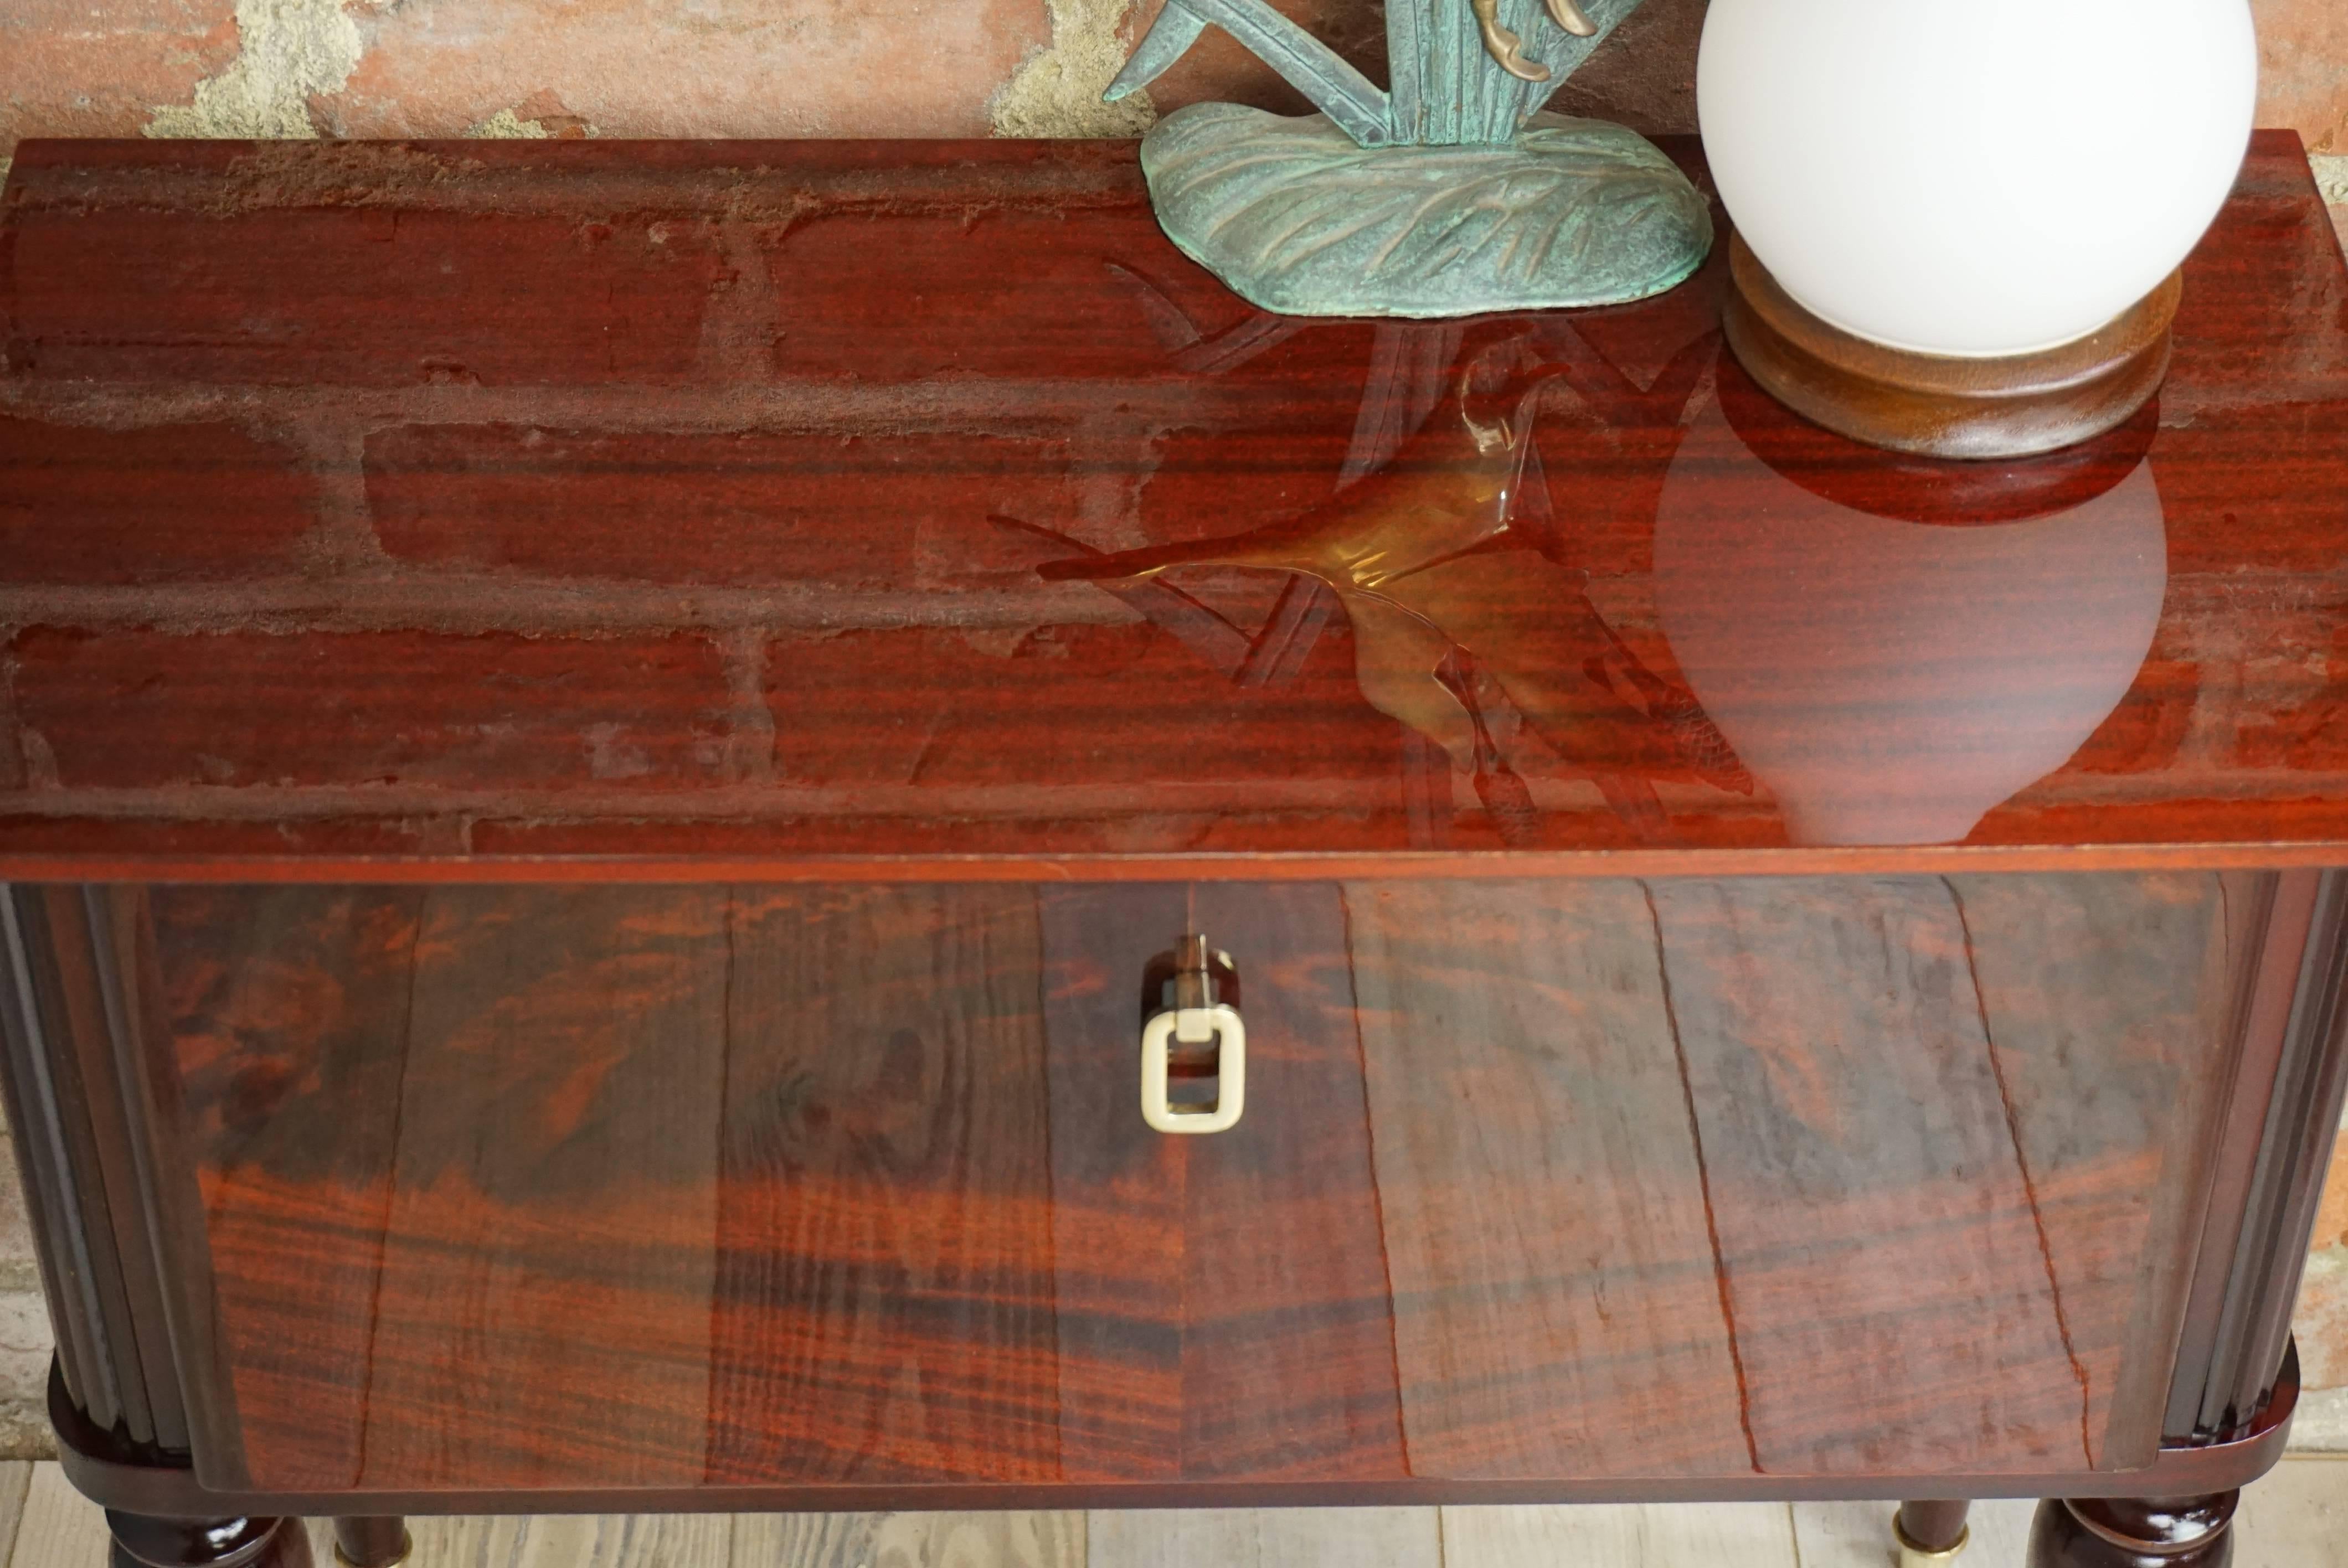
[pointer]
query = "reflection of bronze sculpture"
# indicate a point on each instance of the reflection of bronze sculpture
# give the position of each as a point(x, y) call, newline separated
point(1458, 616)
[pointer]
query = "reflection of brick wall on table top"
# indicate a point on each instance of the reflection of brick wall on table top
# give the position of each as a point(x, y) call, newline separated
point(648, 437)
point(571, 508)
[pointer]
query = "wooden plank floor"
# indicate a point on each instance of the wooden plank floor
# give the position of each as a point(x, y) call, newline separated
point(2295, 1517)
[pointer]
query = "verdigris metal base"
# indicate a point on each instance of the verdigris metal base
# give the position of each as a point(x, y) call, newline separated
point(1299, 219)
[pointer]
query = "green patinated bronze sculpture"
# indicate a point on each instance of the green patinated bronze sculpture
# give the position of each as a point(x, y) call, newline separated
point(1448, 194)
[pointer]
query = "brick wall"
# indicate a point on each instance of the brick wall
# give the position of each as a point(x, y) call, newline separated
point(799, 68)
point(791, 67)
point(699, 68)
point(2321, 1321)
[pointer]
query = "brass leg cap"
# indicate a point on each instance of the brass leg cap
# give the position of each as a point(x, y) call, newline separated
point(1917, 1557)
point(1914, 1556)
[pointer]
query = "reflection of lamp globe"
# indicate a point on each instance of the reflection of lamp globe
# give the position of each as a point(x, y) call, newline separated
point(1892, 681)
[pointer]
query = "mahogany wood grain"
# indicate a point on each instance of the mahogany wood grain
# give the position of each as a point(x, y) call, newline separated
point(531, 1178)
point(2115, 1148)
point(596, 512)
point(1848, 1042)
point(1289, 1365)
point(848, 1187)
point(884, 1306)
point(1542, 1186)
point(1118, 1201)
point(290, 1022)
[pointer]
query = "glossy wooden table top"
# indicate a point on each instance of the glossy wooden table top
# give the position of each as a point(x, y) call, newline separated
point(909, 509)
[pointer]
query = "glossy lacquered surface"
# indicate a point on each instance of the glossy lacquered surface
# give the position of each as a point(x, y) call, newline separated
point(709, 510)
point(1563, 1183)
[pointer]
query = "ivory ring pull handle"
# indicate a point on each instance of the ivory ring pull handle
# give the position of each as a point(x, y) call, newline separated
point(1220, 1025)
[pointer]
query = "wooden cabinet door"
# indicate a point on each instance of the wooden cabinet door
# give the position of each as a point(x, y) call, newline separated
point(1540, 1183)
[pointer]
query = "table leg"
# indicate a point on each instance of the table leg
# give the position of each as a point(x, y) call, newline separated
point(1931, 1533)
point(2112, 1532)
point(371, 1540)
point(143, 1543)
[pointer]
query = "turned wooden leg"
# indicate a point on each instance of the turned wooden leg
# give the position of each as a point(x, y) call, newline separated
point(1931, 1533)
point(143, 1543)
point(375, 1541)
point(2101, 1532)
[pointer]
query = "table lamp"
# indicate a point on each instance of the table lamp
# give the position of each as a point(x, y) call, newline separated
point(1959, 227)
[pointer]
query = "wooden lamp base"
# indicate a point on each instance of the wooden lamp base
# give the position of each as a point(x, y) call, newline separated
point(1941, 406)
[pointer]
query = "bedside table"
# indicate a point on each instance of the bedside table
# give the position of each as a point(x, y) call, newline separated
point(622, 765)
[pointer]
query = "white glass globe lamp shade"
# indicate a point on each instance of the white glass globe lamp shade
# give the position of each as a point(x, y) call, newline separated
point(1988, 179)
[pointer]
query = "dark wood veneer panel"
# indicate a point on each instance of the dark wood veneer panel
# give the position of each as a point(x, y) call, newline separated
point(1994, 1080)
point(1118, 1202)
point(2118, 1089)
point(1289, 1368)
point(1868, 1195)
point(290, 1019)
point(849, 1186)
point(884, 1306)
point(549, 1256)
point(1541, 1184)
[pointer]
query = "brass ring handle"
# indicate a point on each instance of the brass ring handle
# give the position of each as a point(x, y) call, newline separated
point(1190, 1000)
point(1218, 1025)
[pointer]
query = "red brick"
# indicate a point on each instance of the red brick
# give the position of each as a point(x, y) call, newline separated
point(2331, 1219)
point(686, 67)
point(736, 509)
point(1644, 77)
point(2304, 69)
point(486, 711)
point(354, 295)
point(581, 263)
point(1075, 705)
point(2145, 733)
point(73, 67)
point(2320, 1323)
point(990, 297)
point(173, 502)
point(2291, 707)
point(2282, 514)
